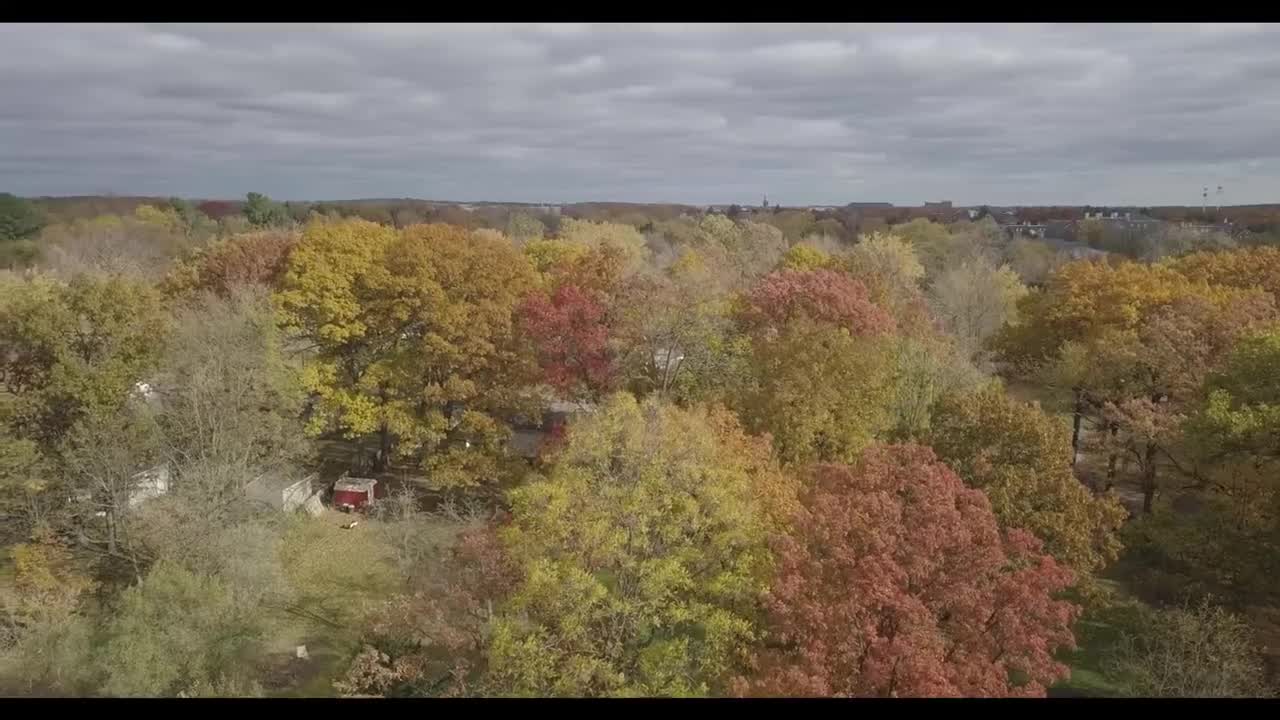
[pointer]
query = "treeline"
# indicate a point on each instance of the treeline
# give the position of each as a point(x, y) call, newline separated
point(795, 467)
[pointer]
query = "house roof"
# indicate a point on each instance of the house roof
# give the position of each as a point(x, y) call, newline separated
point(1077, 249)
point(568, 406)
point(526, 443)
point(279, 481)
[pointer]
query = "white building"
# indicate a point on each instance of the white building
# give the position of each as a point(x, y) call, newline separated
point(285, 493)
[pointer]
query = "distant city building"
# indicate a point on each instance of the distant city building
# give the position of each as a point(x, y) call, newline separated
point(1025, 229)
point(860, 205)
point(1127, 216)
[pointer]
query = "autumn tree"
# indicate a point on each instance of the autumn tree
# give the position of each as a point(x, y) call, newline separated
point(1019, 456)
point(625, 239)
point(462, 368)
point(673, 331)
point(45, 629)
point(1198, 651)
point(571, 340)
point(805, 257)
point(1231, 438)
point(717, 230)
point(251, 259)
point(1095, 330)
point(433, 642)
point(759, 247)
point(1033, 260)
point(522, 227)
point(1163, 366)
point(891, 272)
point(974, 301)
point(25, 478)
point(1243, 268)
point(415, 339)
point(330, 296)
point(822, 296)
point(74, 350)
point(794, 224)
point(1239, 419)
point(821, 374)
point(930, 597)
point(642, 556)
point(113, 244)
point(231, 400)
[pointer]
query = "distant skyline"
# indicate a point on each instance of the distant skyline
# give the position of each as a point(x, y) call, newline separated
point(1137, 115)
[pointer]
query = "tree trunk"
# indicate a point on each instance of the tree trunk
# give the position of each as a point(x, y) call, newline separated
point(1149, 478)
point(1076, 418)
point(384, 449)
point(111, 530)
point(1111, 459)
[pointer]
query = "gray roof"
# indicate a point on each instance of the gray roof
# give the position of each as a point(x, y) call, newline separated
point(355, 484)
point(279, 481)
point(525, 443)
point(1075, 249)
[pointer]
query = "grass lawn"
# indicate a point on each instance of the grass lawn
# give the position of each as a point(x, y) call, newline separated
point(1096, 632)
point(342, 575)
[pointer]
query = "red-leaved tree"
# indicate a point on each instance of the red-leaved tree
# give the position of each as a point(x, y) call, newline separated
point(571, 340)
point(819, 295)
point(896, 582)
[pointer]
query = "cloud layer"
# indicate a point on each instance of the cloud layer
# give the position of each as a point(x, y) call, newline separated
point(1025, 114)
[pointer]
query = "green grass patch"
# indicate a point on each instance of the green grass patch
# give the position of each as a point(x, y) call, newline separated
point(1113, 612)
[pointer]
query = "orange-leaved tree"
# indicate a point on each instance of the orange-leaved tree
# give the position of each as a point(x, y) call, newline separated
point(896, 581)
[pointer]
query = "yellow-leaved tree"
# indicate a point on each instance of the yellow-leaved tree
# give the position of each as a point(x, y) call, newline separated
point(642, 556)
point(413, 332)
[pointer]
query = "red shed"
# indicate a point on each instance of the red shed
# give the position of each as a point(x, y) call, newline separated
point(356, 493)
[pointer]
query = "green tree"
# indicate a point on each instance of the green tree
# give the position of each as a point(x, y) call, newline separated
point(926, 370)
point(263, 212)
point(179, 632)
point(19, 219)
point(930, 241)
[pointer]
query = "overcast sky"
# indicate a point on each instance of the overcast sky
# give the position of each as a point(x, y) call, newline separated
point(1022, 114)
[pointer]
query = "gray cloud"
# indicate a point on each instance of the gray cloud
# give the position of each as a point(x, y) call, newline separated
point(1025, 114)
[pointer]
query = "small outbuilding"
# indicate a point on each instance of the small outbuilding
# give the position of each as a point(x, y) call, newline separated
point(149, 484)
point(350, 494)
point(284, 492)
